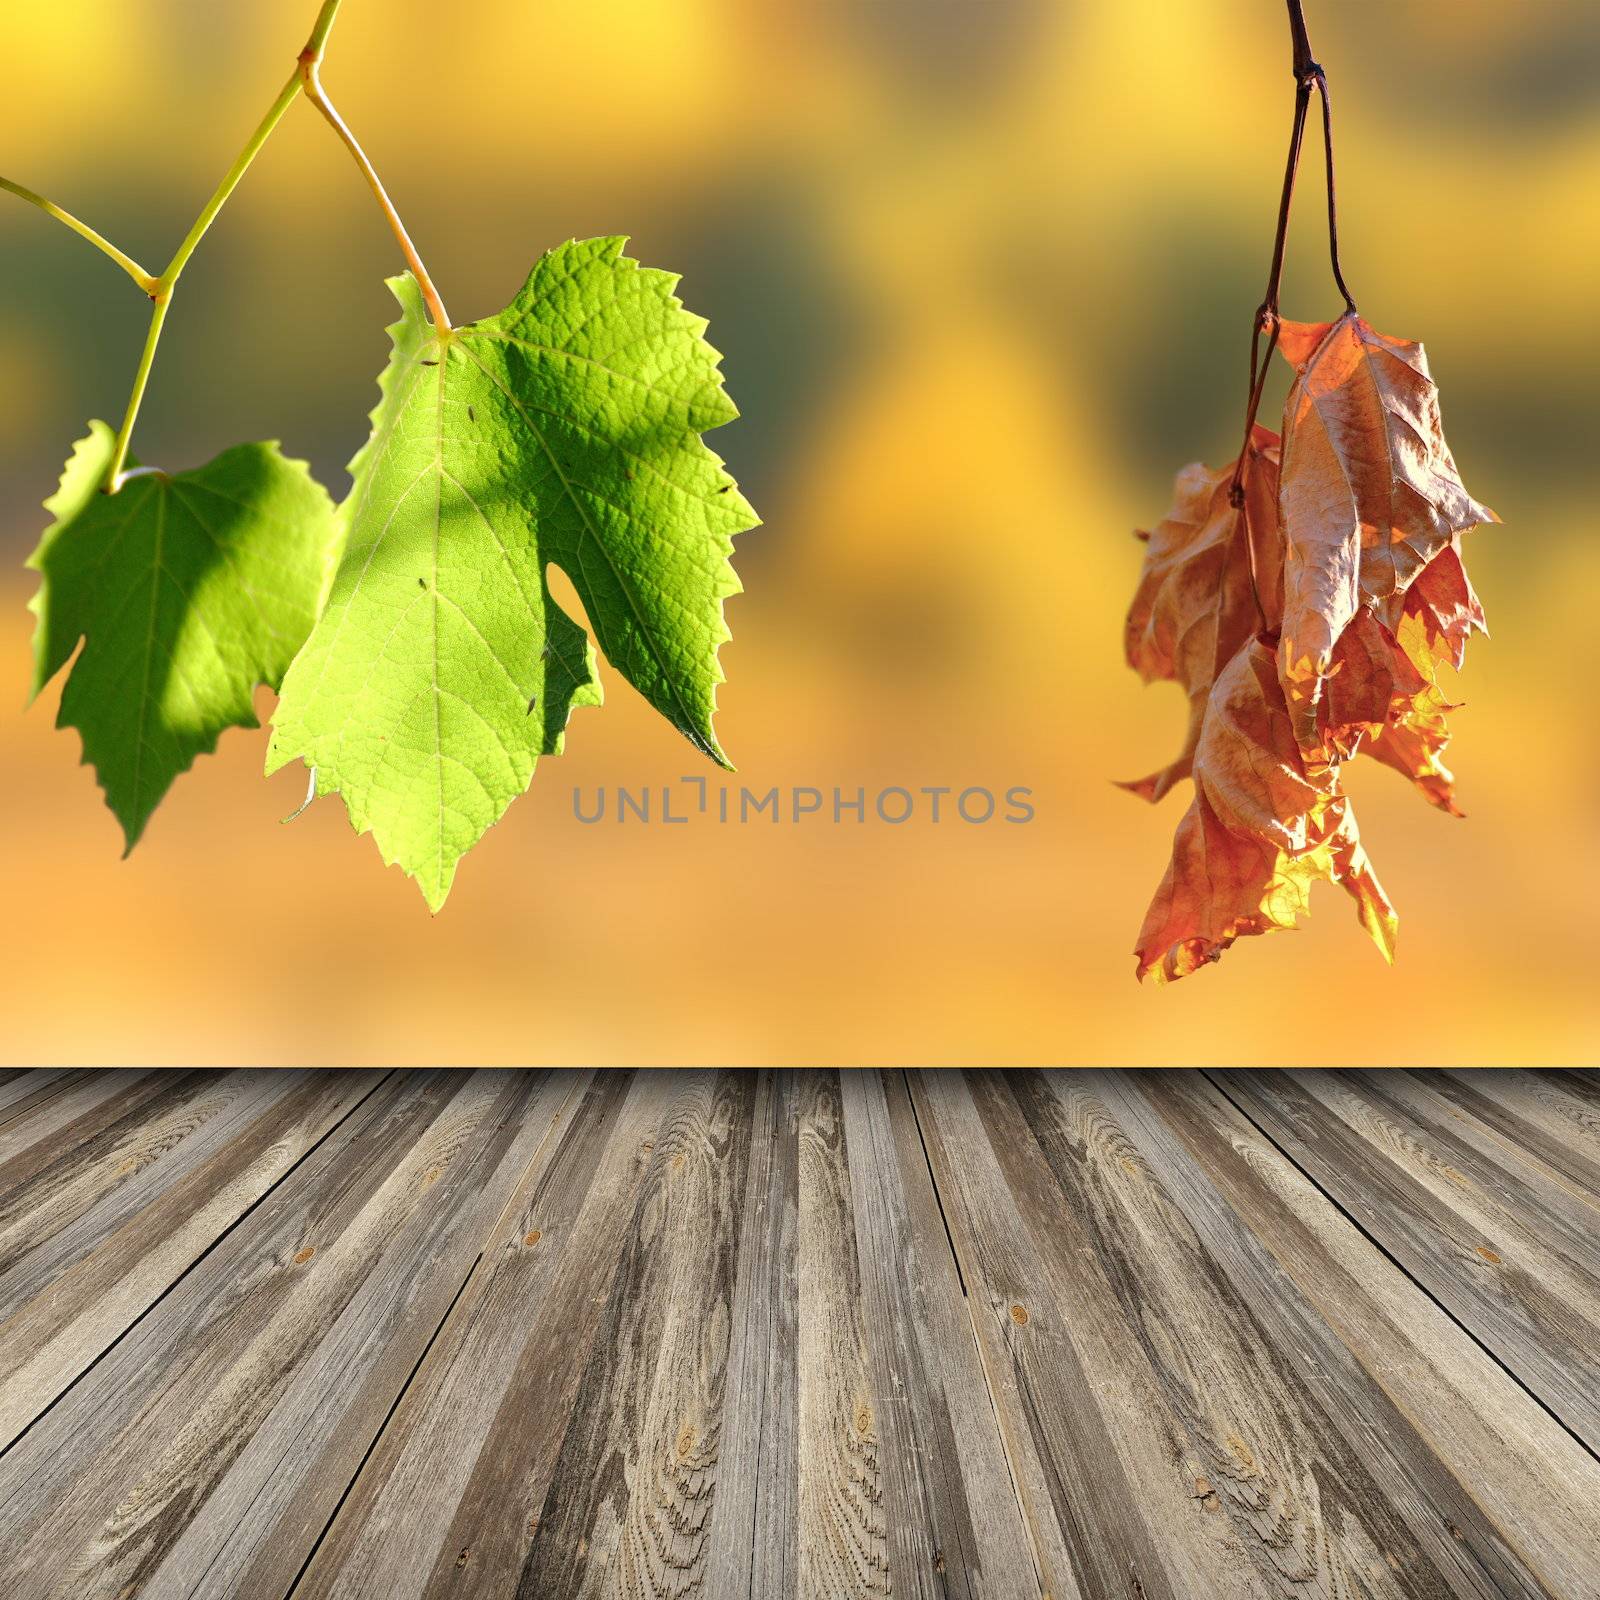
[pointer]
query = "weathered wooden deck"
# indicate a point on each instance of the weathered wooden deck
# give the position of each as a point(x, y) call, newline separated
point(812, 1335)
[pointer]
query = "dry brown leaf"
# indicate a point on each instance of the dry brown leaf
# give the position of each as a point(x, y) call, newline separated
point(1440, 613)
point(1371, 683)
point(1414, 747)
point(1261, 830)
point(1369, 499)
point(1195, 605)
point(1354, 524)
point(1445, 607)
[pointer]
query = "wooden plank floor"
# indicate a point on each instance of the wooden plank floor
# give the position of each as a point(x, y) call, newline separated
point(799, 1336)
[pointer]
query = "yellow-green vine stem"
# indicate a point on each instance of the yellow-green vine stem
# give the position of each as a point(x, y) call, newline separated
point(84, 231)
point(161, 289)
point(310, 64)
point(306, 77)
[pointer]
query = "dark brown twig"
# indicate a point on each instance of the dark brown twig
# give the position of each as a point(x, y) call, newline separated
point(1304, 62)
point(1333, 208)
point(1308, 75)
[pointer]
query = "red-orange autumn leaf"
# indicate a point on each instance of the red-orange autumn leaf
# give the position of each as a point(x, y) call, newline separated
point(1369, 497)
point(1354, 523)
point(1260, 831)
point(1306, 599)
point(1440, 613)
point(1196, 605)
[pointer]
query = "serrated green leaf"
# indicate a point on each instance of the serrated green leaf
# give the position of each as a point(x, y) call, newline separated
point(187, 591)
point(566, 430)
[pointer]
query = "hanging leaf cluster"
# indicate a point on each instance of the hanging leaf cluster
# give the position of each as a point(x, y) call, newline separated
point(1306, 598)
point(423, 663)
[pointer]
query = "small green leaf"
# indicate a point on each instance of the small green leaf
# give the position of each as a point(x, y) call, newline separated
point(565, 430)
point(187, 592)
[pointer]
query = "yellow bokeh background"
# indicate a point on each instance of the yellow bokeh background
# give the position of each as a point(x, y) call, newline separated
point(982, 271)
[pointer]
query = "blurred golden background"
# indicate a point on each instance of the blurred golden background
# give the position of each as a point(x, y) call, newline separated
point(983, 273)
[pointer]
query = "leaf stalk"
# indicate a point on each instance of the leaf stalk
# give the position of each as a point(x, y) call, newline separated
point(311, 77)
point(141, 380)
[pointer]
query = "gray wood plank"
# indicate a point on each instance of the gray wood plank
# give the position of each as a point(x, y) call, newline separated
point(1552, 1120)
point(1487, 1481)
point(844, 1546)
point(1106, 1470)
point(106, 1100)
point(26, 1089)
point(1307, 1511)
point(779, 1314)
point(1565, 1214)
point(673, 1334)
point(1472, 1236)
point(472, 1444)
point(39, 1103)
point(204, 1453)
point(533, 1324)
point(632, 1496)
point(954, 1526)
point(756, 1543)
point(90, 1193)
point(71, 1318)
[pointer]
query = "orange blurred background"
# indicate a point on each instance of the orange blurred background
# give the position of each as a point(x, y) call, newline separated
point(983, 273)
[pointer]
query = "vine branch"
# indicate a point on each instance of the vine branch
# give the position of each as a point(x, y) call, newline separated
point(161, 289)
point(1304, 62)
point(144, 279)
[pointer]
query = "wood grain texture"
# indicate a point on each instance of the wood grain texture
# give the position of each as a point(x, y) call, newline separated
point(1304, 1503)
point(1478, 1236)
point(501, 1510)
point(1473, 1450)
point(798, 1336)
point(633, 1492)
point(176, 1466)
point(756, 1549)
point(1552, 1120)
point(734, 1283)
point(22, 1092)
point(1101, 1464)
point(94, 1101)
point(30, 1102)
point(484, 1416)
point(91, 1191)
point(59, 1323)
point(954, 1527)
point(844, 1547)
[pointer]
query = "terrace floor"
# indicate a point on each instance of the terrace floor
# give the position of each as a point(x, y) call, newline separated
point(815, 1335)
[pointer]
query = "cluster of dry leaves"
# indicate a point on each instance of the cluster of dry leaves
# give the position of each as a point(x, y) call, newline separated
point(1307, 625)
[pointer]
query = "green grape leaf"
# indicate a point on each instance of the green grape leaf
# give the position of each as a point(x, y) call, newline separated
point(187, 591)
point(565, 430)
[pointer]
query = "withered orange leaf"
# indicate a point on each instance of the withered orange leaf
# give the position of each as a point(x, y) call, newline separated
point(1439, 615)
point(1261, 830)
point(1414, 747)
point(1445, 607)
point(1196, 604)
point(1371, 683)
point(1369, 496)
point(1354, 515)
